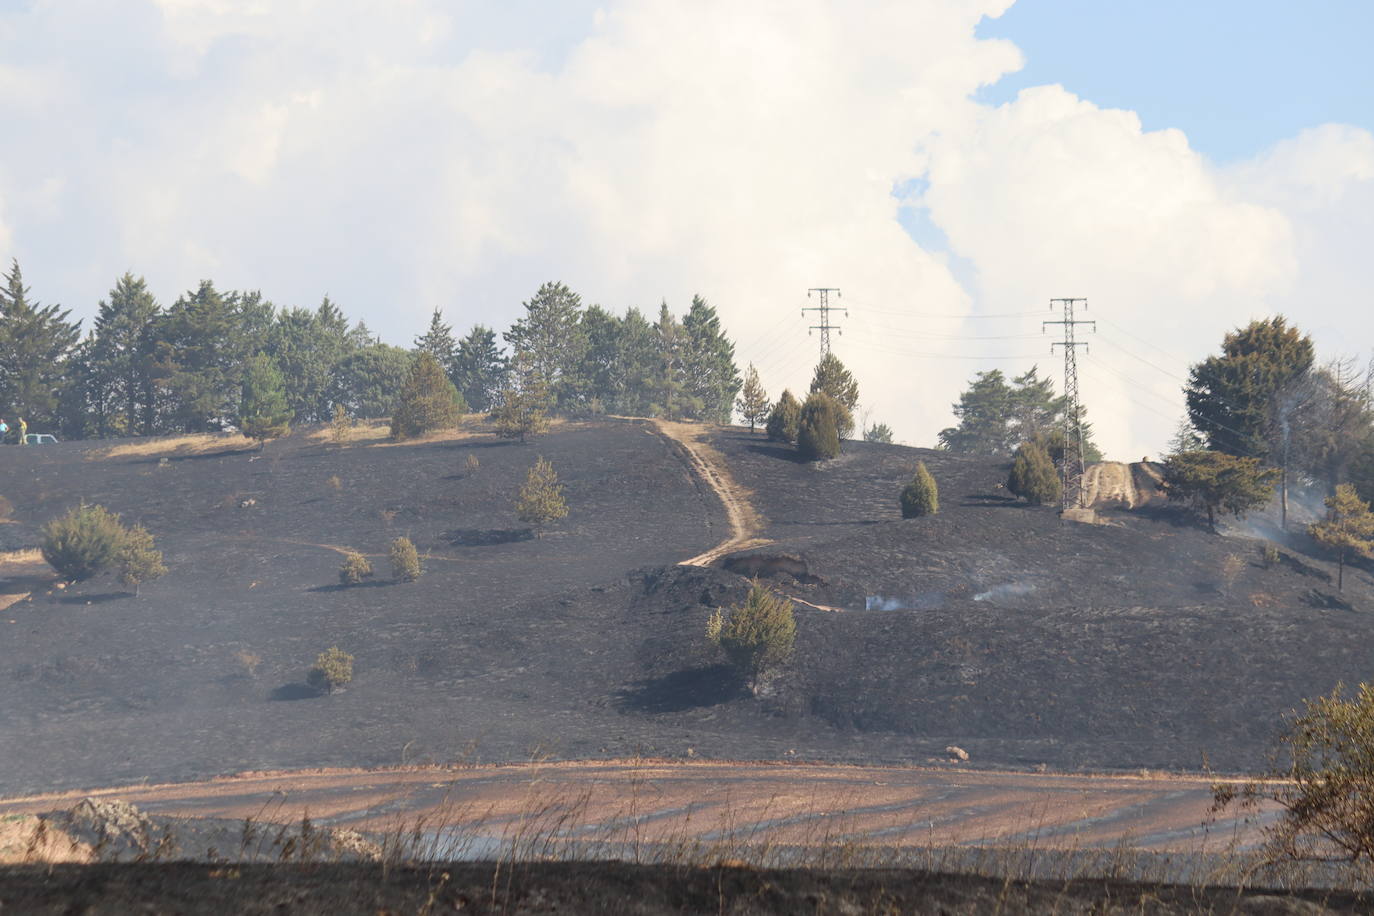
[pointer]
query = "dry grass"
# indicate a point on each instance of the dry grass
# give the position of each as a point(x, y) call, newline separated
point(21, 569)
point(175, 446)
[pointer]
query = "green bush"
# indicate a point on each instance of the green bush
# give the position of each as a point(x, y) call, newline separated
point(354, 570)
point(405, 561)
point(333, 668)
point(758, 636)
point(540, 500)
point(920, 497)
point(782, 422)
point(83, 542)
point(1033, 476)
point(818, 431)
point(139, 559)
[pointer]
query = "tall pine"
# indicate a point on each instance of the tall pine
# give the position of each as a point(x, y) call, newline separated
point(550, 333)
point(123, 396)
point(35, 343)
point(479, 368)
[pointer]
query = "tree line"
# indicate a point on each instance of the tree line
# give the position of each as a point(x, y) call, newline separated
point(214, 357)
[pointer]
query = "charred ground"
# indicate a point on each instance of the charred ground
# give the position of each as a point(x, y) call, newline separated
point(1020, 638)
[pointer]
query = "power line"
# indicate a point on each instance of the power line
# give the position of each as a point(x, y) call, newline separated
point(825, 327)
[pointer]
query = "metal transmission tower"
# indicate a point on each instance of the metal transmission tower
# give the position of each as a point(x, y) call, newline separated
point(1071, 467)
point(825, 327)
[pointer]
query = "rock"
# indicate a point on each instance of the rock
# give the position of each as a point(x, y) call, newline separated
point(956, 752)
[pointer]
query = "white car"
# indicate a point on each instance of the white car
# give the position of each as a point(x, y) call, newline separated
point(40, 439)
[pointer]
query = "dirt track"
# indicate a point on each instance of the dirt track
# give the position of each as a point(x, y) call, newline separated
point(714, 802)
point(710, 468)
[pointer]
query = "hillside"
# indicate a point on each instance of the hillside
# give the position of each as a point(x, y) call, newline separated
point(993, 626)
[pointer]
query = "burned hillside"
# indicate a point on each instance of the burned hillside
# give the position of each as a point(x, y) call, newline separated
point(1142, 641)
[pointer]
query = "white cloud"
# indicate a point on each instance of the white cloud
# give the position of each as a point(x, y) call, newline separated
point(406, 155)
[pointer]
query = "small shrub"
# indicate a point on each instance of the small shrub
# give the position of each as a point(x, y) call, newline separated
point(333, 668)
point(354, 570)
point(782, 422)
point(139, 559)
point(341, 426)
point(921, 496)
point(758, 636)
point(818, 430)
point(83, 542)
point(405, 561)
point(334, 482)
point(471, 463)
point(540, 500)
point(428, 401)
point(1269, 556)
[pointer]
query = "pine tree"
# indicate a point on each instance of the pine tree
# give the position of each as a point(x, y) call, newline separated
point(405, 560)
point(428, 400)
point(995, 417)
point(753, 400)
point(438, 342)
point(784, 420)
point(540, 500)
point(1216, 481)
point(1232, 397)
point(368, 381)
point(333, 668)
point(479, 368)
point(1033, 476)
point(711, 378)
point(921, 496)
point(832, 378)
point(139, 559)
point(818, 436)
point(35, 342)
point(670, 395)
point(1348, 527)
point(263, 412)
point(123, 394)
point(522, 407)
point(199, 354)
point(308, 347)
point(550, 333)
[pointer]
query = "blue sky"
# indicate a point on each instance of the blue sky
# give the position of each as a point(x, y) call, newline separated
point(1235, 76)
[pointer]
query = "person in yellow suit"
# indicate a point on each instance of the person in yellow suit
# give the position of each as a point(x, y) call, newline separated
point(23, 432)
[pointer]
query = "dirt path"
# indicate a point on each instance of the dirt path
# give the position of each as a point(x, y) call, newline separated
point(712, 801)
point(711, 468)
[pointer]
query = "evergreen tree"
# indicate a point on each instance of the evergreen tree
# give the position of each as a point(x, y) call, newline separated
point(784, 420)
point(879, 432)
point(711, 378)
point(263, 412)
point(994, 416)
point(438, 342)
point(1033, 476)
point(122, 394)
point(636, 365)
point(1232, 397)
point(333, 668)
point(818, 436)
point(550, 332)
point(405, 560)
point(522, 407)
point(753, 400)
point(428, 400)
point(369, 379)
point(671, 397)
point(1185, 439)
point(540, 500)
point(921, 496)
point(308, 347)
point(139, 559)
point(479, 368)
point(599, 372)
point(1348, 527)
point(200, 353)
point(758, 636)
point(1213, 481)
point(35, 342)
point(832, 378)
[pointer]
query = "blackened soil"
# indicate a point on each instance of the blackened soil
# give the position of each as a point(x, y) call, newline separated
point(606, 887)
point(1024, 640)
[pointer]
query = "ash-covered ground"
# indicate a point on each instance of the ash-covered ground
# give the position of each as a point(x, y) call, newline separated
point(992, 626)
